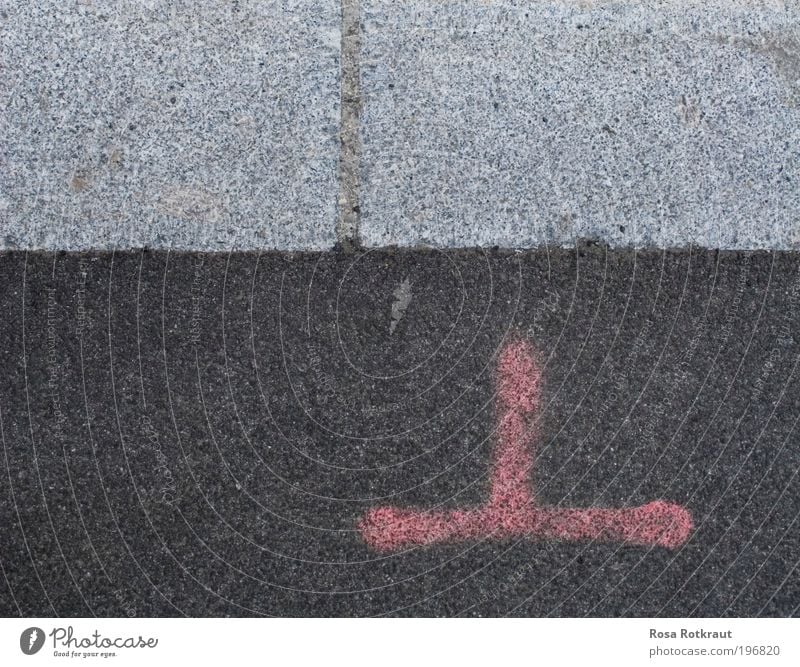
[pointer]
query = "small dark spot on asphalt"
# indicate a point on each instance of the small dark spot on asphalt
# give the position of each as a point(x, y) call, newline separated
point(622, 228)
point(172, 100)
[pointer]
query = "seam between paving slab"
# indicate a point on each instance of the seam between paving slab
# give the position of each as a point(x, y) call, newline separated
point(347, 223)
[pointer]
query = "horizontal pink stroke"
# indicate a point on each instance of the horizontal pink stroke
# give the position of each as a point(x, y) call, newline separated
point(512, 510)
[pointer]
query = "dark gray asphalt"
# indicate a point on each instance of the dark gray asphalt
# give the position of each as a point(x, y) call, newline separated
point(200, 434)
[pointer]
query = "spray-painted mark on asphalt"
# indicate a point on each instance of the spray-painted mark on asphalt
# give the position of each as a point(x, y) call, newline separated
point(512, 510)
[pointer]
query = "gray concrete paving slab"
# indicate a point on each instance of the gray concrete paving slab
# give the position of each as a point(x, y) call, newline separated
point(659, 123)
point(177, 124)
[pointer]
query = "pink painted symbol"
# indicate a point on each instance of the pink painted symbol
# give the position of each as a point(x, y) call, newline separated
point(512, 510)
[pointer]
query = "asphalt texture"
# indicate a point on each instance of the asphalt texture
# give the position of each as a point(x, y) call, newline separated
point(201, 434)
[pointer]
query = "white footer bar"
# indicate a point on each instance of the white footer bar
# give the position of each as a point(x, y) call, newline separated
point(389, 642)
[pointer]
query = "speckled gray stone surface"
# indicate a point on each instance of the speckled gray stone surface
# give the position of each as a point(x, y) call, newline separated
point(518, 123)
point(207, 125)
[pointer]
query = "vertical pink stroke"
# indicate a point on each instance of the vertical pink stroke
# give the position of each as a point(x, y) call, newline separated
point(512, 510)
